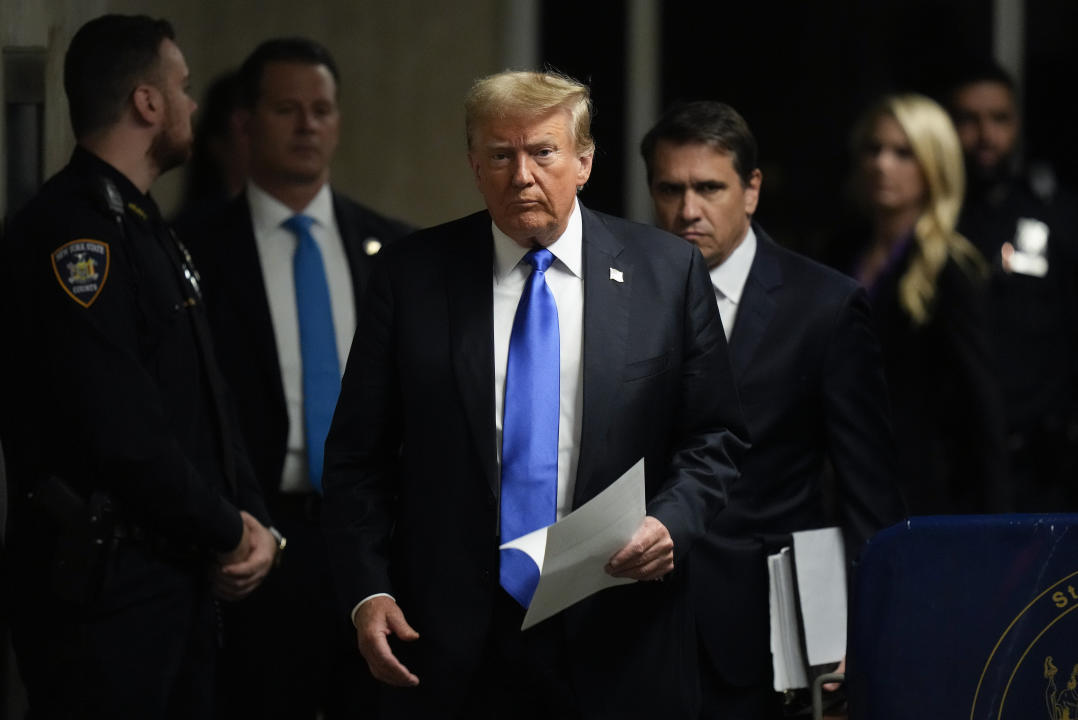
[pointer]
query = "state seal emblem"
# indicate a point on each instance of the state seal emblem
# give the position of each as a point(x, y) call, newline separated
point(82, 267)
point(1019, 679)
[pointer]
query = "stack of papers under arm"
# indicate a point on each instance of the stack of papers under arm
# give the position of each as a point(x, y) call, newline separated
point(787, 658)
point(808, 606)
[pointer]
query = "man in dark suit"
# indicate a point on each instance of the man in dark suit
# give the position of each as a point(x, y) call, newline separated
point(423, 458)
point(810, 379)
point(251, 257)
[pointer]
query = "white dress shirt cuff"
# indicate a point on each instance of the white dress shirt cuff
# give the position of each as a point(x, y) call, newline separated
point(369, 597)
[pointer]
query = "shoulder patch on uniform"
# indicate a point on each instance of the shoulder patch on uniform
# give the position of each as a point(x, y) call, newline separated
point(82, 266)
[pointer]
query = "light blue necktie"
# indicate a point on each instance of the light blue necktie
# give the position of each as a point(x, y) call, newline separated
point(529, 489)
point(317, 343)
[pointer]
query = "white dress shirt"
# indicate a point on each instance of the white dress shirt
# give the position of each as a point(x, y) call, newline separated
point(565, 278)
point(729, 278)
point(276, 246)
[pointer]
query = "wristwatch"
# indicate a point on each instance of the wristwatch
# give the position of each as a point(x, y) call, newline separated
point(282, 541)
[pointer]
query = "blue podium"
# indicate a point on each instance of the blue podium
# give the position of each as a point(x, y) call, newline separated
point(966, 617)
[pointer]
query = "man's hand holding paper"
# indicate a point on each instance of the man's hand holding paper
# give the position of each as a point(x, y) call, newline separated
point(580, 554)
point(648, 556)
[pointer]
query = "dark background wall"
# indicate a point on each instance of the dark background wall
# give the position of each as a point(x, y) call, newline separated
point(800, 72)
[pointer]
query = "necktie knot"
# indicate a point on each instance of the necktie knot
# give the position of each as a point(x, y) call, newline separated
point(540, 259)
point(299, 224)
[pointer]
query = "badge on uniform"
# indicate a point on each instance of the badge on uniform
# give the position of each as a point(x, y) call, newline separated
point(1029, 253)
point(82, 266)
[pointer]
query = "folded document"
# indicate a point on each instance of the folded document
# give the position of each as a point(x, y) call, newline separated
point(571, 554)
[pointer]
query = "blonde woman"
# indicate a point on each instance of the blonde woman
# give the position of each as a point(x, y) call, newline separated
point(926, 284)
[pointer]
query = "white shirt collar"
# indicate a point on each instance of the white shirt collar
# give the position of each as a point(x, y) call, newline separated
point(730, 276)
point(567, 249)
point(268, 212)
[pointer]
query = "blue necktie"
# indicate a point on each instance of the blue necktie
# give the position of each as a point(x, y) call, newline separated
point(317, 343)
point(530, 427)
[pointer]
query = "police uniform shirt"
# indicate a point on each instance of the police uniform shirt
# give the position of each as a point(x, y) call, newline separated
point(1032, 248)
point(111, 389)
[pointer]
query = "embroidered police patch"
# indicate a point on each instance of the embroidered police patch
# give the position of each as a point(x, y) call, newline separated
point(82, 266)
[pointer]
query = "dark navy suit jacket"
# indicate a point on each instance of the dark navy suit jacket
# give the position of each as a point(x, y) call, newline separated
point(411, 468)
point(226, 255)
point(811, 383)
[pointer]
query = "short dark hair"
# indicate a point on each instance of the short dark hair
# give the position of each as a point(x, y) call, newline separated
point(979, 71)
point(289, 49)
point(107, 58)
point(712, 123)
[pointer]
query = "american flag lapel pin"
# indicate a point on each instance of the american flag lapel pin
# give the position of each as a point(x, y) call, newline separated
point(616, 275)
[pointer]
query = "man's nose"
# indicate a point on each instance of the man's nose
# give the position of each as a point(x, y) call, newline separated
point(306, 119)
point(522, 173)
point(690, 206)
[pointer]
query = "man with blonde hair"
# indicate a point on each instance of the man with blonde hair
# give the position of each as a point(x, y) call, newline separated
point(509, 366)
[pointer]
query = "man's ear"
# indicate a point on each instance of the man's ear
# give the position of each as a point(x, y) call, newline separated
point(583, 170)
point(149, 104)
point(752, 191)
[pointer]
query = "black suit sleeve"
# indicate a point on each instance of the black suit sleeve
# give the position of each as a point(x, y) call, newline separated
point(248, 490)
point(709, 436)
point(857, 415)
point(362, 454)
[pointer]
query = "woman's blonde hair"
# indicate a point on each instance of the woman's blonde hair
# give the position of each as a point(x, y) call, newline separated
point(936, 148)
point(530, 94)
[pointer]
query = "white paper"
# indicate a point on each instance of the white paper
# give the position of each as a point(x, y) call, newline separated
point(572, 553)
point(788, 662)
point(820, 561)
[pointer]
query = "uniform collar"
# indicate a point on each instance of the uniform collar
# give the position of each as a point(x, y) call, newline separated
point(136, 203)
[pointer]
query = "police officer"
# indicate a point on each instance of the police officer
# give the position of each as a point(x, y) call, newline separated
point(1028, 231)
point(133, 505)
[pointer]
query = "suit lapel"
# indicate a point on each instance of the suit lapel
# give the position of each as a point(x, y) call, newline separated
point(248, 296)
point(470, 266)
point(606, 334)
point(757, 306)
point(353, 236)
